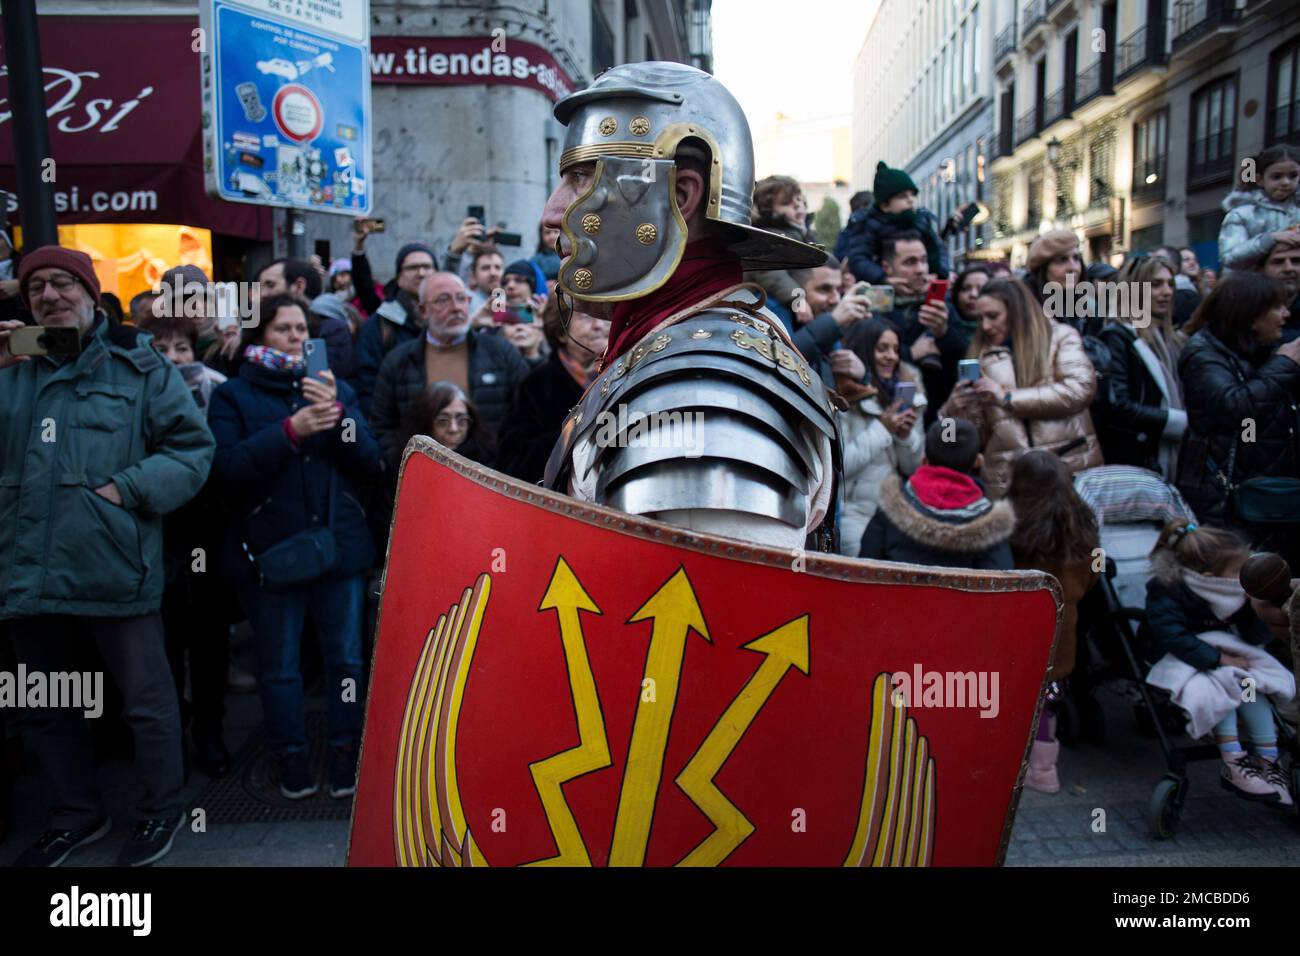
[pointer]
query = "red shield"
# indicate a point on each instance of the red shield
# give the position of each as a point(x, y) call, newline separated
point(557, 683)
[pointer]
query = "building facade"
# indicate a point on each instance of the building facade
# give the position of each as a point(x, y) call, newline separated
point(923, 100)
point(443, 139)
point(1128, 120)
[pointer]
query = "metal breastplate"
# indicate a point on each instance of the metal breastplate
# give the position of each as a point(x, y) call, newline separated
point(711, 413)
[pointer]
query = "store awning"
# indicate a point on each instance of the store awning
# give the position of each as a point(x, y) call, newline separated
point(123, 98)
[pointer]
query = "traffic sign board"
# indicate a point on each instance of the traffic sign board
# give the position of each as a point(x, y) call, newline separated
point(286, 103)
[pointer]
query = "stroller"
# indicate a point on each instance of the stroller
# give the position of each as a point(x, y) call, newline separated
point(1132, 505)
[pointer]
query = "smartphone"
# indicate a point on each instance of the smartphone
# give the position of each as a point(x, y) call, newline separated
point(508, 317)
point(968, 370)
point(508, 239)
point(880, 298)
point(905, 395)
point(937, 292)
point(57, 340)
point(323, 251)
point(378, 225)
point(476, 212)
point(317, 357)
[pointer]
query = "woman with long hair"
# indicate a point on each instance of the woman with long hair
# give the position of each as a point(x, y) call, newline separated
point(1243, 407)
point(1140, 417)
point(881, 435)
point(1055, 532)
point(970, 281)
point(1035, 386)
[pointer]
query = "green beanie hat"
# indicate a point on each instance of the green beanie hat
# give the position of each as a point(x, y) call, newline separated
point(890, 182)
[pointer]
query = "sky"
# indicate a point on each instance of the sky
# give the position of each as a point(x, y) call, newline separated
point(789, 56)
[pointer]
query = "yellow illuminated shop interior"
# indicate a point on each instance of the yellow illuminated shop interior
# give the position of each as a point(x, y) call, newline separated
point(131, 258)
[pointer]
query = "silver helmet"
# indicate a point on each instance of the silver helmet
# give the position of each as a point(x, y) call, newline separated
point(625, 233)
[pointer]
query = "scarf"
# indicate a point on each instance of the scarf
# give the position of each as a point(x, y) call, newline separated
point(707, 267)
point(1224, 595)
point(268, 357)
point(580, 372)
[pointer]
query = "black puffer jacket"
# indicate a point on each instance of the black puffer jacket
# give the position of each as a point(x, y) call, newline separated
point(495, 368)
point(1129, 413)
point(532, 425)
point(1223, 389)
point(1175, 618)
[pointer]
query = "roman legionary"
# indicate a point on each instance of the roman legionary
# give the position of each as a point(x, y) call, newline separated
point(704, 415)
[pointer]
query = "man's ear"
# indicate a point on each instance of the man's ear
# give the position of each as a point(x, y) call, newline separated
point(690, 192)
point(979, 462)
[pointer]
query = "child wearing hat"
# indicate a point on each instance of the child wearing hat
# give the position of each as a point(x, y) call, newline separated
point(895, 210)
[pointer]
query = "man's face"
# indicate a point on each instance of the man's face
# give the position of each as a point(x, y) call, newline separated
point(444, 303)
point(518, 291)
point(575, 181)
point(415, 269)
point(910, 262)
point(1284, 266)
point(271, 280)
point(57, 297)
point(823, 290)
point(1191, 267)
point(487, 272)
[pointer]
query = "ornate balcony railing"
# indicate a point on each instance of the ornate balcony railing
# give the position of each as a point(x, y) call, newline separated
point(1005, 44)
point(1088, 85)
point(1132, 54)
point(1032, 14)
point(1212, 156)
point(1054, 107)
point(1194, 19)
point(1026, 126)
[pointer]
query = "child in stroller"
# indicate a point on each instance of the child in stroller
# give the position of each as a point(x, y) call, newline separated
point(1200, 619)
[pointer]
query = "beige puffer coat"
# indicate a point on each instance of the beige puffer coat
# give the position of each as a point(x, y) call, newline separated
point(1048, 414)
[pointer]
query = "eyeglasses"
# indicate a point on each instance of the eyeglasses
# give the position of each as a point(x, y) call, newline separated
point(446, 421)
point(61, 285)
point(418, 267)
point(460, 298)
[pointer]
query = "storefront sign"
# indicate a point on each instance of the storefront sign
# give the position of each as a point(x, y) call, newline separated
point(467, 61)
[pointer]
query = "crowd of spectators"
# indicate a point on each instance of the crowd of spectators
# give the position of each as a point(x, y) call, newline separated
point(970, 400)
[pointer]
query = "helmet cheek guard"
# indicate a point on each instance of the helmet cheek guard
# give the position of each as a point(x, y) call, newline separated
point(626, 232)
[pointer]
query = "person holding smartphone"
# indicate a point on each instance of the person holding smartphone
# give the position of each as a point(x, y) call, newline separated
point(881, 435)
point(292, 453)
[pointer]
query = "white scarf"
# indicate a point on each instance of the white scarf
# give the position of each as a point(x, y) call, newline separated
point(1224, 595)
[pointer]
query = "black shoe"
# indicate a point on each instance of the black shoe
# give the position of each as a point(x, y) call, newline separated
point(211, 755)
point(54, 845)
point(150, 841)
point(343, 772)
point(296, 781)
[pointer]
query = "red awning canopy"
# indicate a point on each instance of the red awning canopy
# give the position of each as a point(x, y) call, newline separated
point(123, 98)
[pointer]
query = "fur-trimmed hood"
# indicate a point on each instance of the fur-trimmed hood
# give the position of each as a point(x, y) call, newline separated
point(1257, 197)
point(960, 530)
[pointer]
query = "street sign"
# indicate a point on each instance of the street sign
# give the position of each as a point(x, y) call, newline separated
point(559, 683)
point(286, 103)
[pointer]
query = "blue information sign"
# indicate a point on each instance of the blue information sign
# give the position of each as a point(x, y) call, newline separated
point(286, 103)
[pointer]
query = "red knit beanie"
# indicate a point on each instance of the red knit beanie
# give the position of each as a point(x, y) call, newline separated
point(69, 260)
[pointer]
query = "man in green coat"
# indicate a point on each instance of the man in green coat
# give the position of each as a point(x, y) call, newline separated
point(94, 449)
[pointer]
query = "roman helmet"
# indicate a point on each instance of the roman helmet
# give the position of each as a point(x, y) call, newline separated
point(625, 233)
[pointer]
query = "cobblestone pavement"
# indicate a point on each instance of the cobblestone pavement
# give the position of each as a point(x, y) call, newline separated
point(1117, 778)
point(1217, 829)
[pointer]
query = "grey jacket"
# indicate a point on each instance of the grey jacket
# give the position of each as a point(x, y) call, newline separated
point(1246, 236)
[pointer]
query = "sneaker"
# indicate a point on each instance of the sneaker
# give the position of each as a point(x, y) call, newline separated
point(150, 841)
point(296, 781)
point(54, 845)
point(1244, 776)
point(1277, 780)
point(343, 772)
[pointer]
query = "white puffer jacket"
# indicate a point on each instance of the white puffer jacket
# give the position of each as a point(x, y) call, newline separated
point(872, 454)
point(1246, 235)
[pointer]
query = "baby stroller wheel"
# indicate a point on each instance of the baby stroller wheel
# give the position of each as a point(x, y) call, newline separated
point(1165, 808)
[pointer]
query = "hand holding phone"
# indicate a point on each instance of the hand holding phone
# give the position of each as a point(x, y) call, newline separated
point(968, 370)
point(937, 291)
point(58, 340)
point(316, 355)
point(905, 395)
